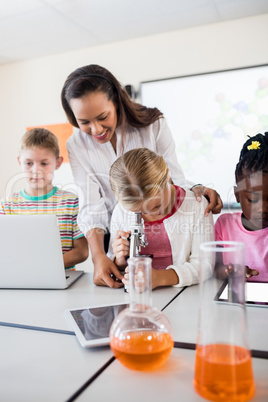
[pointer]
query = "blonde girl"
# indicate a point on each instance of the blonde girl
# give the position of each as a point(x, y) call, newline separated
point(175, 224)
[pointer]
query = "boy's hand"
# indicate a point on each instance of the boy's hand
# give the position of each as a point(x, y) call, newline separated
point(251, 272)
point(79, 253)
point(120, 248)
point(106, 273)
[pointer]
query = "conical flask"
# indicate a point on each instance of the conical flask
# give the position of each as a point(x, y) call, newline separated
point(140, 336)
point(223, 366)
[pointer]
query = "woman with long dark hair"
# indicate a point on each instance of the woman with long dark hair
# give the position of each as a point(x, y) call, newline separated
point(109, 123)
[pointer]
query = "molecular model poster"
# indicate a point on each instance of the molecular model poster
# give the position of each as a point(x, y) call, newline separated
point(210, 116)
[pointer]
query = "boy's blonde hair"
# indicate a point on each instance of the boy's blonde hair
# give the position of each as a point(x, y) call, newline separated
point(40, 138)
point(138, 175)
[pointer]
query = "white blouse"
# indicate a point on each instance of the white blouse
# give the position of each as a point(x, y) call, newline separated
point(91, 162)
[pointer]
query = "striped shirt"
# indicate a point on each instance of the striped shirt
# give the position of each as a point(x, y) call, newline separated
point(57, 202)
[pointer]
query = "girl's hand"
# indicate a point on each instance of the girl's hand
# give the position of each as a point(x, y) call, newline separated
point(120, 248)
point(215, 203)
point(251, 272)
point(160, 277)
point(164, 277)
point(155, 278)
point(125, 280)
point(140, 286)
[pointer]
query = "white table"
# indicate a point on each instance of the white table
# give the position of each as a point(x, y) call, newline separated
point(45, 308)
point(186, 309)
point(172, 383)
point(40, 365)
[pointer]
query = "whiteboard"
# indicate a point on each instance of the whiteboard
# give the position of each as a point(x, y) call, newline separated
point(210, 116)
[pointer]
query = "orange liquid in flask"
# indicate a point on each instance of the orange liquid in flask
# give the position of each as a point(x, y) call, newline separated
point(224, 373)
point(142, 350)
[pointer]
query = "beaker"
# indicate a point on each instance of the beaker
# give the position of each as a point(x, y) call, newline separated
point(223, 366)
point(140, 336)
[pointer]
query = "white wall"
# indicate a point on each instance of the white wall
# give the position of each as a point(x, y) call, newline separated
point(30, 90)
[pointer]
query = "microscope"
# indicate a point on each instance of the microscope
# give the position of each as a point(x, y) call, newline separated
point(137, 237)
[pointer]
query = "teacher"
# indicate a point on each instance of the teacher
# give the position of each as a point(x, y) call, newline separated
point(109, 123)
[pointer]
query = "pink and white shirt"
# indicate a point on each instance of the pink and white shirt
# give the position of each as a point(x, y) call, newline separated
point(186, 228)
point(158, 241)
point(228, 227)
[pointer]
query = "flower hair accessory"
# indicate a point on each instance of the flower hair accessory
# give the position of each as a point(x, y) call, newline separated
point(254, 145)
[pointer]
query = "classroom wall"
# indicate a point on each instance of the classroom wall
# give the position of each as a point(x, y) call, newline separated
point(30, 90)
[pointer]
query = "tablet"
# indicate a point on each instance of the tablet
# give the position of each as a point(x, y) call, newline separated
point(92, 324)
point(256, 293)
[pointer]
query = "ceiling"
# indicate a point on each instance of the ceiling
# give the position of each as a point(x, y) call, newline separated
point(35, 28)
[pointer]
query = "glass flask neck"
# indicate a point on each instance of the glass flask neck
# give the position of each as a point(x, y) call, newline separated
point(140, 283)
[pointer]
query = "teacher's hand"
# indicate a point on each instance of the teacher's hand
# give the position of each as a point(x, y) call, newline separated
point(215, 203)
point(106, 273)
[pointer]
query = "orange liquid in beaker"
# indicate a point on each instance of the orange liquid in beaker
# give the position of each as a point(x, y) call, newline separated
point(142, 350)
point(224, 373)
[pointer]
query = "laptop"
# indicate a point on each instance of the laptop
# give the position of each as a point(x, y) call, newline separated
point(31, 254)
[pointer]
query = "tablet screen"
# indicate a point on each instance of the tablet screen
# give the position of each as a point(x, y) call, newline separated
point(256, 293)
point(94, 323)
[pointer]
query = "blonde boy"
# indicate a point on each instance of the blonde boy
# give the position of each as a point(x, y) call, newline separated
point(39, 158)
